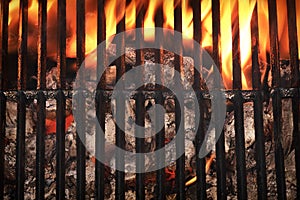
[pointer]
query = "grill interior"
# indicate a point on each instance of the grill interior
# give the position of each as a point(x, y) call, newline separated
point(21, 88)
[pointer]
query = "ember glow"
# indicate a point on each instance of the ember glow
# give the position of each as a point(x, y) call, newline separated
point(116, 9)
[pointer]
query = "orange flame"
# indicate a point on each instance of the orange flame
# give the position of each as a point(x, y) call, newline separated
point(116, 9)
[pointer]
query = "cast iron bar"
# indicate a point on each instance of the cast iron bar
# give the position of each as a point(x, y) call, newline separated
point(100, 112)
point(258, 111)
point(238, 105)
point(277, 112)
point(220, 148)
point(293, 44)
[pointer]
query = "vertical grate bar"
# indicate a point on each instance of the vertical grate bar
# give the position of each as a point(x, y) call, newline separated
point(293, 44)
point(274, 62)
point(160, 136)
point(40, 146)
point(238, 105)
point(80, 140)
point(179, 115)
point(197, 36)
point(40, 140)
point(21, 114)
point(60, 100)
point(2, 140)
point(4, 8)
point(220, 148)
point(21, 121)
point(42, 45)
point(22, 45)
point(160, 157)
point(60, 144)
point(258, 111)
point(100, 112)
point(120, 113)
point(200, 162)
point(140, 143)
point(140, 110)
point(61, 36)
point(100, 143)
point(159, 52)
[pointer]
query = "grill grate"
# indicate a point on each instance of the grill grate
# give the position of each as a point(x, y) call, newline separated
point(237, 96)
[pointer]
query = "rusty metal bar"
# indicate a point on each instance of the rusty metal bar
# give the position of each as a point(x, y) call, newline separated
point(61, 36)
point(60, 144)
point(80, 140)
point(220, 148)
point(22, 45)
point(258, 111)
point(120, 112)
point(293, 44)
point(40, 146)
point(2, 140)
point(100, 112)
point(41, 84)
point(4, 6)
point(238, 105)
point(42, 45)
point(179, 115)
point(20, 160)
point(274, 62)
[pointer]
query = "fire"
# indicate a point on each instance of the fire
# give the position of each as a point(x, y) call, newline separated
point(116, 9)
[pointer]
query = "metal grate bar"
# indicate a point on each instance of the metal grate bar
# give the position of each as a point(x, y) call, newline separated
point(139, 143)
point(197, 36)
point(40, 140)
point(20, 160)
point(60, 144)
point(2, 140)
point(120, 112)
point(220, 148)
point(4, 6)
point(159, 52)
point(238, 105)
point(40, 146)
point(179, 115)
point(80, 140)
point(258, 112)
point(42, 45)
point(293, 44)
point(160, 158)
point(22, 45)
point(277, 107)
point(159, 99)
point(140, 110)
point(61, 36)
point(200, 162)
point(100, 112)
point(100, 143)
